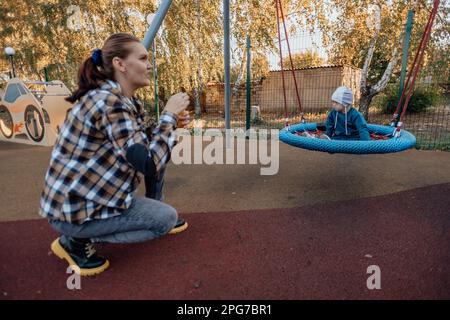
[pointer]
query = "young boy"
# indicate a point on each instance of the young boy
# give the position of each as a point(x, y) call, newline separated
point(345, 122)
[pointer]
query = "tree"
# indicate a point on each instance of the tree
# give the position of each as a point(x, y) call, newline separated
point(61, 33)
point(259, 67)
point(438, 62)
point(254, 19)
point(356, 36)
point(369, 91)
point(305, 59)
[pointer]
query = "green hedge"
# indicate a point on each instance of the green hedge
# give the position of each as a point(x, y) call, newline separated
point(422, 98)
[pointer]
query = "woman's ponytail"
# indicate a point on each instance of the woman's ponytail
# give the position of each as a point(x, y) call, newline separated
point(89, 77)
point(98, 67)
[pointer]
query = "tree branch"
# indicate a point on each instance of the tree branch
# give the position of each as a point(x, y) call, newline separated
point(377, 88)
point(373, 41)
point(369, 57)
point(240, 75)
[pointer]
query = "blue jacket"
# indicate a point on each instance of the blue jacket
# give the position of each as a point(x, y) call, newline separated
point(350, 126)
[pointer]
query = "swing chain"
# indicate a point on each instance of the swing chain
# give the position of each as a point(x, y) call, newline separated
point(302, 117)
point(286, 124)
point(397, 130)
point(394, 121)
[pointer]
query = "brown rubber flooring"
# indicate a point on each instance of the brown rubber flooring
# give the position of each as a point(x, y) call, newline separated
point(309, 232)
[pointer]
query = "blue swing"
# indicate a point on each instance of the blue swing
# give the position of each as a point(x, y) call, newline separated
point(394, 139)
point(405, 141)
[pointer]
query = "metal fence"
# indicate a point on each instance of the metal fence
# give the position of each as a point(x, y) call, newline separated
point(431, 127)
point(316, 85)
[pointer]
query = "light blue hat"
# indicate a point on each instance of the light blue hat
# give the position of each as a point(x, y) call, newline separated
point(343, 95)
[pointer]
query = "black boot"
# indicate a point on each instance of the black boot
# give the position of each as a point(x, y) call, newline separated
point(180, 226)
point(79, 253)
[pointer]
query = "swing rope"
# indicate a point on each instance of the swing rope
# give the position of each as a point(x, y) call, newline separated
point(286, 115)
point(280, 13)
point(399, 115)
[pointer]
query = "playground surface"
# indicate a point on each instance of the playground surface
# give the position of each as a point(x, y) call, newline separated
point(309, 232)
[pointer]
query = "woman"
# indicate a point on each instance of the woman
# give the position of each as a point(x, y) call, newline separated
point(94, 169)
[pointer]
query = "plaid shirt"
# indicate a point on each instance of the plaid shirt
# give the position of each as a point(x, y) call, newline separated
point(89, 177)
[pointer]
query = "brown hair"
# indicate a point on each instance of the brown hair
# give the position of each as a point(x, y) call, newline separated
point(90, 74)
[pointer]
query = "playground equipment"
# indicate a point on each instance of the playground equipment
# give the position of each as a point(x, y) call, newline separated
point(382, 141)
point(385, 139)
point(33, 112)
point(155, 24)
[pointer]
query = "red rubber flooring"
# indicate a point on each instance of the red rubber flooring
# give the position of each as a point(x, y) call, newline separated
point(318, 252)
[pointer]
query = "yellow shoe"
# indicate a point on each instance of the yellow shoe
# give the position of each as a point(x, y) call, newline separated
point(80, 255)
point(180, 226)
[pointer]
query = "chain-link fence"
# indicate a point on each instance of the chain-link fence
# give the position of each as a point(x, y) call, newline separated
point(431, 126)
point(316, 82)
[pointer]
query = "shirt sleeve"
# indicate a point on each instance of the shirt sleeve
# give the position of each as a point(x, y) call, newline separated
point(122, 129)
point(163, 139)
point(361, 125)
point(329, 124)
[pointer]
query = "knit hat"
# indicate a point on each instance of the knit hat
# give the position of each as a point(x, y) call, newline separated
point(343, 95)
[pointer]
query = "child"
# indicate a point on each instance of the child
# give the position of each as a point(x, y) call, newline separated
point(344, 122)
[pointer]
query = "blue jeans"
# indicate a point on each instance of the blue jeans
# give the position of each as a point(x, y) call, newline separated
point(154, 186)
point(147, 218)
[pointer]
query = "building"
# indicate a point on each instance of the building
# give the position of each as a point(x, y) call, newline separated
point(315, 85)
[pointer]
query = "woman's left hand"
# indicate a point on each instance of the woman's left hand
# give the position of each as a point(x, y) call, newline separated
point(184, 119)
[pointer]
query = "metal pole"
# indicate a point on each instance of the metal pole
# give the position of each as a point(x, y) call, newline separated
point(248, 86)
point(155, 80)
point(198, 83)
point(47, 79)
point(226, 55)
point(156, 23)
point(11, 59)
point(409, 25)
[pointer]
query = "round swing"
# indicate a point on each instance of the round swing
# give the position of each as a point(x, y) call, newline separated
point(384, 139)
point(381, 140)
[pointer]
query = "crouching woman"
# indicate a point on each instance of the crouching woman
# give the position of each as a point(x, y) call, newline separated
point(101, 151)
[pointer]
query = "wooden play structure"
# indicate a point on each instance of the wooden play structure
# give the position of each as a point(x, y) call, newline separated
point(33, 112)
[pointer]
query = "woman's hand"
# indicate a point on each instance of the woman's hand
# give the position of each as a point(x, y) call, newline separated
point(177, 103)
point(184, 119)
